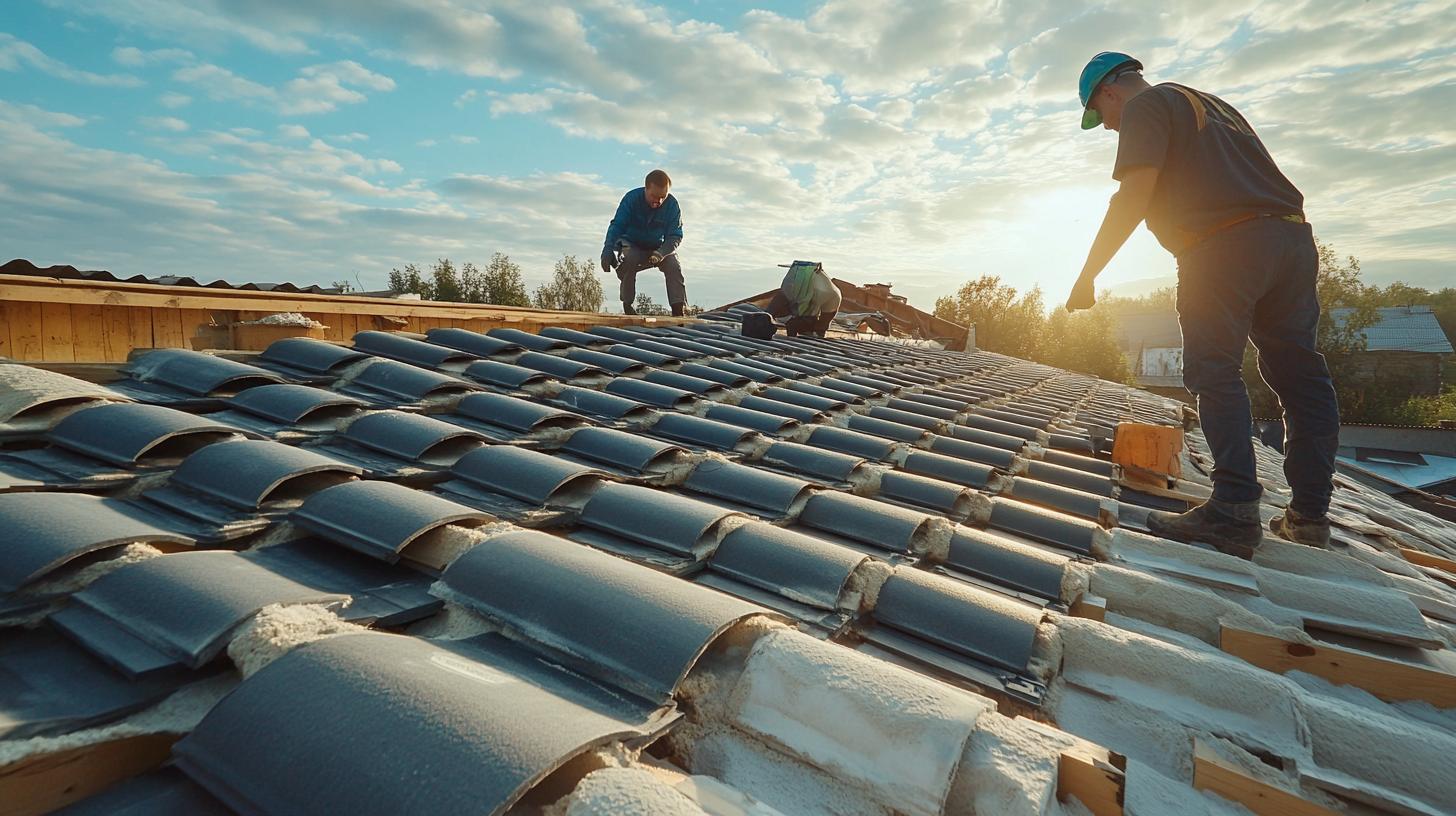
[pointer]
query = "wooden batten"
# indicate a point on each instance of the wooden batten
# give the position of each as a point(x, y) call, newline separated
point(55, 320)
point(46, 782)
point(1214, 774)
point(1390, 680)
point(1098, 785)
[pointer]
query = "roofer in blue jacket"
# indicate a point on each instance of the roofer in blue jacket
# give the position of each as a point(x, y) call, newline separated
point(1193, 167)
point(646, 231)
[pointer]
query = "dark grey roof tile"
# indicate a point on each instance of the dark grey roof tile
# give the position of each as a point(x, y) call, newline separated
point(579, 338)
point(911, 418)
point(651, 393)
point(852, 442)
point(161, 374)
point(131, 435)
point(308, 359)
point(877, 524)
point(1056, 529)
point(501, 417)
point(302, 408)
point(753, 420)
point(375, 723)
point(697, 385)
point(534, 342)
point(50, 685)
point(991, 438)
point(480, 345)
point(1063, 499)
point(973, 451)
point(807, 400)
point(783, 409)
point(412, 351)
point(505, 375)
point(799, 568)
point(593, 610)
point(674, 527)
point(624, 452)
point(44, 531)
point(922, 408)
point(620, 366)
point(380, 519)
point(754, 373)
point(250, 475)
point(392, 383)
point(698, 432)
point(858, 389)
point(827, 393)
point(381, 594)
point(1070, 477)
point(562, 368)
point(1100, 467)
point(922, 492)
point(412, 438)
point(727, 378)
point(645, 356)
point(815, 462)
point(515, 480)
point(600, 405)
point(1000, 426)
point(177, 611)
point(975, 623)
point(760, 492)
point(1003, 560)
point(887, 428)
point(948, 468)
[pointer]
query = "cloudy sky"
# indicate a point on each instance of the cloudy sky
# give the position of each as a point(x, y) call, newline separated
point(918, 143)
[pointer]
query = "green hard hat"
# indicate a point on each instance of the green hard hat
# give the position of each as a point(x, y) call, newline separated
point(1098, 69)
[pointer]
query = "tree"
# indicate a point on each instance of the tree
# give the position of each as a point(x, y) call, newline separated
point(1084, 341)
point(499, 283)
point(573, 287)
point(411, 280)
point(1005, 323)
point(645, 305)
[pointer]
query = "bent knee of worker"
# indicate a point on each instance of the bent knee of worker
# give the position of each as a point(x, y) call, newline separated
point(1213, 378)
point(671, 266)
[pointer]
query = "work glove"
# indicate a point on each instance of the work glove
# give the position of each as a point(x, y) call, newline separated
point(655, 258)
point(1083, 295)
point(609, 260)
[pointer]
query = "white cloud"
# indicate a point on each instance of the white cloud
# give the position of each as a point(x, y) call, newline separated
point(460, 139)
point(317, 88)
point(293, 131)
point(350, 137)
point(426, 143)
point(133, 57)
point(16, 53)
point(174, 100)
point(168, 123)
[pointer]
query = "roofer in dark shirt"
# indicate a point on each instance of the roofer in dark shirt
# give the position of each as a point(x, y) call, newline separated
point(647, 230)
point(1194, 168)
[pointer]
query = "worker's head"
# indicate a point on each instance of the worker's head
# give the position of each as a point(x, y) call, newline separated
point(657, 185)
point(1109, 80)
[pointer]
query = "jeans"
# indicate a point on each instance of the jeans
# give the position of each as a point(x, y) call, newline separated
point(635, 259)
point(1256, 281)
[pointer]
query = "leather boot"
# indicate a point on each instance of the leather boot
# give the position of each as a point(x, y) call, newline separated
point(677, 310)
point(627, 309)
point(1291, 526)
point(1231, 528)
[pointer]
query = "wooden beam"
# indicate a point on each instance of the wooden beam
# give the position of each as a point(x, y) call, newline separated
point(25, 288)
point(1390, 680)
point(47, 782)
point(1098, 785)
point(1213, 773)
point(1427, 560)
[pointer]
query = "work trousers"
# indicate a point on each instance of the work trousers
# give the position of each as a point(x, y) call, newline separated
point(796, 325)
point(635, 259)
point(1256, 281)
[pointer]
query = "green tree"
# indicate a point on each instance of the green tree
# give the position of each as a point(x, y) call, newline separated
point(411, 280)
point(1006, 322)
point(1086, 342)
point(499, 283)
point(645, 305)
point(447, 281)
point(573, 287)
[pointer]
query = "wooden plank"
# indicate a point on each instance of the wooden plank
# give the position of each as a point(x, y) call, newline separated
point(1099, 786)
point(348, 326)
point(1390, 680)
point(88, 333)
point(52, 290)
point(1092, 607)
point(25, 331)
point(116, 333)
point(1212, 773)
point(56, 333)
point(191, 320)
point(167, 329)
point(5, 347)
point(1427, 560)
point(1154, 448)
point(139, 327)
point(41, 784)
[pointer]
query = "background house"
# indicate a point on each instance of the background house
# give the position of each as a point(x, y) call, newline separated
point(1406, 344)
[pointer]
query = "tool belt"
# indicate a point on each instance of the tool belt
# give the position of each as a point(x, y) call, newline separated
point(1198, 238)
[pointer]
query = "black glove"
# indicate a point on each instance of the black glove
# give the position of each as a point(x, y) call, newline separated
point(609, 260)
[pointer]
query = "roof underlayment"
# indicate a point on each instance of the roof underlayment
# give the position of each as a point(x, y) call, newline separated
point(679, 571)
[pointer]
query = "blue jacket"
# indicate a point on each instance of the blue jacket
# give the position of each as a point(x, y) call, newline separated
point(642, 226)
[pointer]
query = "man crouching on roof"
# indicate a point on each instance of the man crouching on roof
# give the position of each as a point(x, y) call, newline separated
point(646, 231)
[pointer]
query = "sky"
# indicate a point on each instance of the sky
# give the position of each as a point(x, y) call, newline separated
point(920, 144)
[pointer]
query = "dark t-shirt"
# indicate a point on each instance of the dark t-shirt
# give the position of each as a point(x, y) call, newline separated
point(1213, 169)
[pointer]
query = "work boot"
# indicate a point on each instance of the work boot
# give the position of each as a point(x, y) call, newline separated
point(1232, 528)
point(627, 309)
point(677, 310)
point(1291, 526)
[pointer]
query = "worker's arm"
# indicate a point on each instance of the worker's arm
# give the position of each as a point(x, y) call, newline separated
point(615, 230)
point(1127, 209)
point(674, 231)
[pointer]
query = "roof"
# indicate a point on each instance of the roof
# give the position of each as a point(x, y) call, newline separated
point(1403, 328)
point(1413, 470)
point(869, 308)
point(432, 572)
point(21, 266)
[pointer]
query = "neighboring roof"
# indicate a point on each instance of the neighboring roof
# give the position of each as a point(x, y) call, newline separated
point(21, 266)
point(1403, 328)
point(1413, 470)
point(1141, 330)
point(829, 572)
